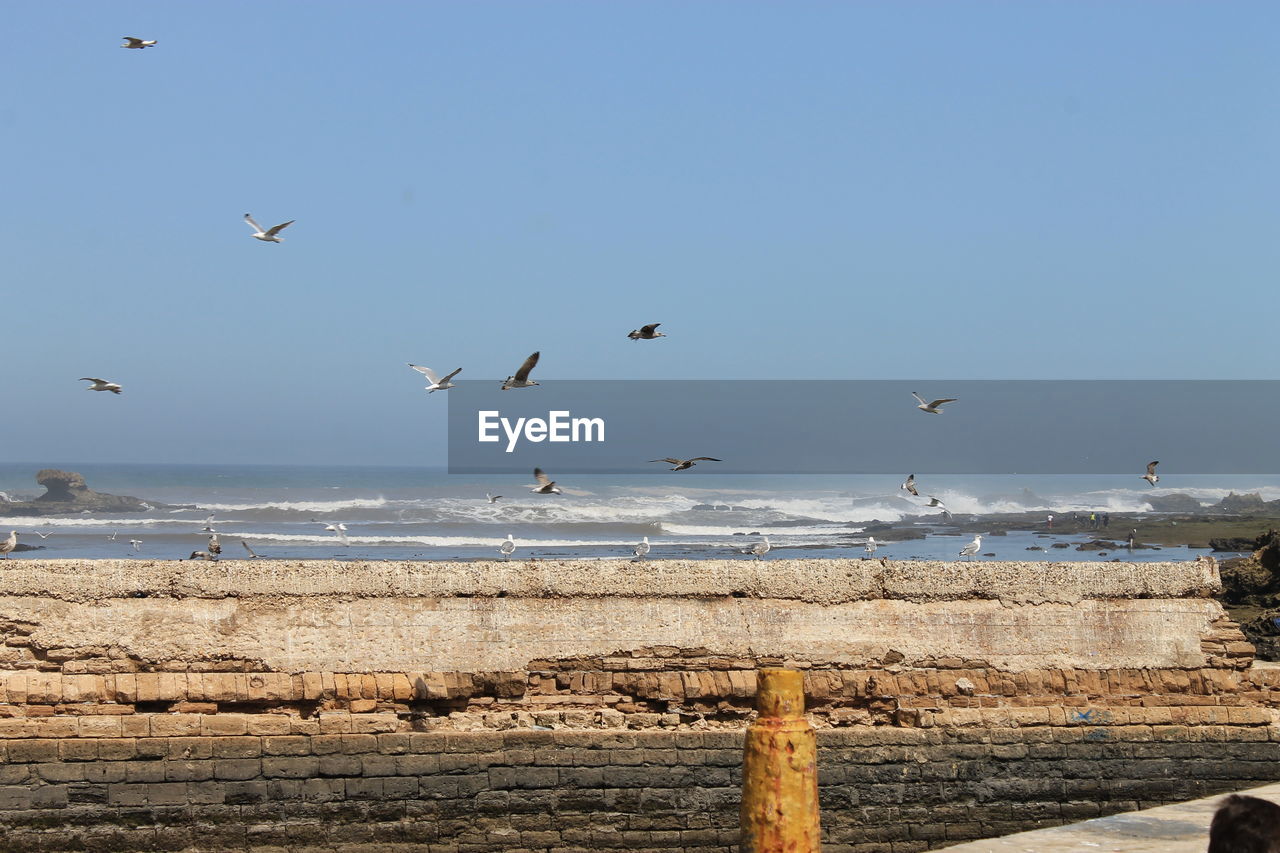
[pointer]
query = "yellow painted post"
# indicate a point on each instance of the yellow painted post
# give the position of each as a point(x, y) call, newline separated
point(780, 770)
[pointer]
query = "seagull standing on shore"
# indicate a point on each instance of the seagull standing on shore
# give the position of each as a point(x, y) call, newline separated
point(1151, 476)
point(646, 333)
point(437, 384)
point(972, 548)
point(871, 546)
point(100, 385)
point(1133, 537)
point(137, 44)
point(9, 544)
point(760, 548)
point(641, 550)
point(546, 486)
point(682, 464)
point(520, 379)
point(910, 485)
point(271, 235)
point(215, 547)
point(934, 407)
point(507, 548)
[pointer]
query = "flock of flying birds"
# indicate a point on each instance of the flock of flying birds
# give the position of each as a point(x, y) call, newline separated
point(520, 379)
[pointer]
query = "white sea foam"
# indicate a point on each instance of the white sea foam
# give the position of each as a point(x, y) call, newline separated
point(306, 506)
point(32, 521)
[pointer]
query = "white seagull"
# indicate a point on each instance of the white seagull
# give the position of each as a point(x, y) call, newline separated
point(271, 235)
point(208, 525)
point(641, 550)
point(871, 545)
point(760, 548)
point(508, 547)
point(972, 548)
point(933, 408)
point(339, 530)
point(1151, 476)
point(493, 499)
point(9, 544)
point(646, 333)
point(253, 555)
point(546, 486)
point(136, 543)
point(44, 535)
point(910, 485)
point(100, 385)
point(137, 44)
point(521, 377)
point(934, 503)
point(437, 384)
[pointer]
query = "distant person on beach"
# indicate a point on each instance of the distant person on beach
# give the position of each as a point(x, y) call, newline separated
point(1244, 824)
point(1093, 520)
point(1050, 521)
point(1106, 519)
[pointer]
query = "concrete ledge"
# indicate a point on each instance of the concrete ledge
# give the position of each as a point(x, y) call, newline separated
point(826, 581)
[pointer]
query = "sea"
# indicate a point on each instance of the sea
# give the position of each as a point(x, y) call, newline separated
point(428, 514)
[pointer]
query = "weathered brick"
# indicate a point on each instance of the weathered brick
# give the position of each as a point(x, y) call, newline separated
point(290, 767)
point(223, 725)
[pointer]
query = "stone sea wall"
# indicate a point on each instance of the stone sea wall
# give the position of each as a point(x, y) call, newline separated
point(600, 705)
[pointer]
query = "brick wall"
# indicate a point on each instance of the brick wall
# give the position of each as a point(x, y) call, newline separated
point(883, 788)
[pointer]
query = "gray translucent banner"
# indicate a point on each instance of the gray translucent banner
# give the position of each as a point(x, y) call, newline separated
point(867, 426)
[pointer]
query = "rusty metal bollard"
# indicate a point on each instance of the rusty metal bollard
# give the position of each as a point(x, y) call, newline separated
point(780, 770)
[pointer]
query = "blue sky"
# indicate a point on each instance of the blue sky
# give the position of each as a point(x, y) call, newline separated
point(809, 190)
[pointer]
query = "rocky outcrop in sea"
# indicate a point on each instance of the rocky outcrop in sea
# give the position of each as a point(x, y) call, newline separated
point(66, 492)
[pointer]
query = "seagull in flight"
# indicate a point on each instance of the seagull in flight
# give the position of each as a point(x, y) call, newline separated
point(100, 385)
point(253, 555)
point(646, 333)
point(910, 485)
point(271, 235)
point(339, 530)
point(934, 503)
point(202, 555)
point(972, 548)
point(137, 44)
point(44, 535)
point(437, 384)
point(760, 548)
point(508, 547)
point(521, 378)
point(545, 486)
point(682, 464)
point(933, 408)
point(1151, 476)
point(136, 543)
point(641, 550)
point(208, 525)
point(493, 499)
